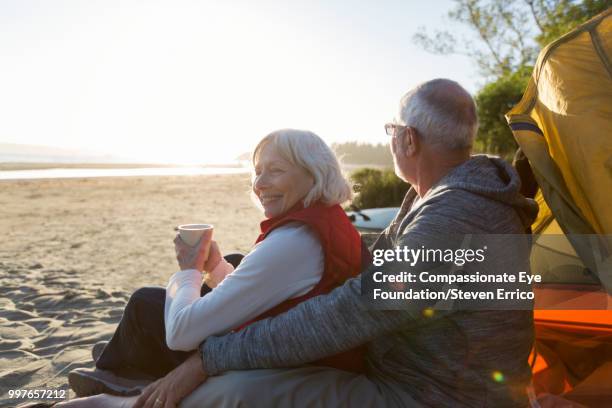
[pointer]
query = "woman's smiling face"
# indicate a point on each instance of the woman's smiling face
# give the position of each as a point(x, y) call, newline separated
point(277, 183)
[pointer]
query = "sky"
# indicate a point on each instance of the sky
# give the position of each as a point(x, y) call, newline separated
point(202, 81)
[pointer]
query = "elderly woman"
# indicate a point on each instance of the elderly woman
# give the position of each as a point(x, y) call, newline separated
point(307, 247)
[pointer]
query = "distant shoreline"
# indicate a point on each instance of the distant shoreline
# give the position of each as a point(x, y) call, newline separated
point(9, 166)
point(352, 167)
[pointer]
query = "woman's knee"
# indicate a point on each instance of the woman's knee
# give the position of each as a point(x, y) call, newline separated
point(234, 259)
point(145, 298)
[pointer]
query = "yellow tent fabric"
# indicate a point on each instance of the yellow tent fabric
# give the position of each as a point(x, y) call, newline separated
point(563, 124)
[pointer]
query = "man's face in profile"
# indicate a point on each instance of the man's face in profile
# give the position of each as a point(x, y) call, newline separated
point(397, 151)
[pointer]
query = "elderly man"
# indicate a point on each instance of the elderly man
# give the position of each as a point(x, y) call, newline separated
point(459, 358)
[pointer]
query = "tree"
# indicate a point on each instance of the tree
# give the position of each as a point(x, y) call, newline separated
point(363, 153)
point(508, 33)
point(493, 101)
point(378, 188)
point(507, 37)
point(563, 16)
point(502, 32)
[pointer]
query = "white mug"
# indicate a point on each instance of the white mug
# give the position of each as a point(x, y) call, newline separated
point(191, 233)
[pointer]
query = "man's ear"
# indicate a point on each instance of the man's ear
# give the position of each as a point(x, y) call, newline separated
point(410, 143)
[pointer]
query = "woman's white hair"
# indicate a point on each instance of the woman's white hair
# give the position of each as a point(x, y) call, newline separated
point(307, 150)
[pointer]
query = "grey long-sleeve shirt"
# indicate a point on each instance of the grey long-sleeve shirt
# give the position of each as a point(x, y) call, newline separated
point(446, 360)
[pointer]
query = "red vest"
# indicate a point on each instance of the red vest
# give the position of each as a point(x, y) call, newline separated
point(343, 259)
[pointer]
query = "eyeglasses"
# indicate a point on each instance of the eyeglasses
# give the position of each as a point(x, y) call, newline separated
point(393, 129)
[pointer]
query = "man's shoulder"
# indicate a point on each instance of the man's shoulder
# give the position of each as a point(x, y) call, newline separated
point(456, 199)
point(455, 210)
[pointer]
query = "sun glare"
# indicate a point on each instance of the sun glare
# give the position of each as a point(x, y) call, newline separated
point(202, 82)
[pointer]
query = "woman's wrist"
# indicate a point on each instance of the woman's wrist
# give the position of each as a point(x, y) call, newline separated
point(215, 265)
point(219, 272)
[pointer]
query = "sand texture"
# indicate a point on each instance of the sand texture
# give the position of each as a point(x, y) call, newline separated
point(73, 250)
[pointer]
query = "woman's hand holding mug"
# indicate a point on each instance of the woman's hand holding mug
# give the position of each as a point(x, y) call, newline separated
point(215, 275)
point(214, 257)
point(193, 257)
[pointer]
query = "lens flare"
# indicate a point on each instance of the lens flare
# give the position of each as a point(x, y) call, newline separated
point(428, 312)
point(497, 376)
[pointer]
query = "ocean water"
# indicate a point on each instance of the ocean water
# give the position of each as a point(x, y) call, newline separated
point(120, 167)
point(117, 172)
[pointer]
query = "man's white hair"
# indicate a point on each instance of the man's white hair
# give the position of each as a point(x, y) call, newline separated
point(307, 150)
point(442, 112)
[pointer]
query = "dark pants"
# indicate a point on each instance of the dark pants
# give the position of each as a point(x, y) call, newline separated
point(139, 343)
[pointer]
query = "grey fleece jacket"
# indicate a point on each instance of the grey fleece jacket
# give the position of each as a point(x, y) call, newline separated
point(443, 361)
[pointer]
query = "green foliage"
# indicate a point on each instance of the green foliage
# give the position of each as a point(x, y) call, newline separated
point(378, 188)
point(493, 102)
point(363, 153)
point(508, 33)
point(565, 15)
point(502, 40)
point(507, 37)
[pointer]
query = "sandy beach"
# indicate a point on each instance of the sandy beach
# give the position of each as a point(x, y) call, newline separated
point(72, 251)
